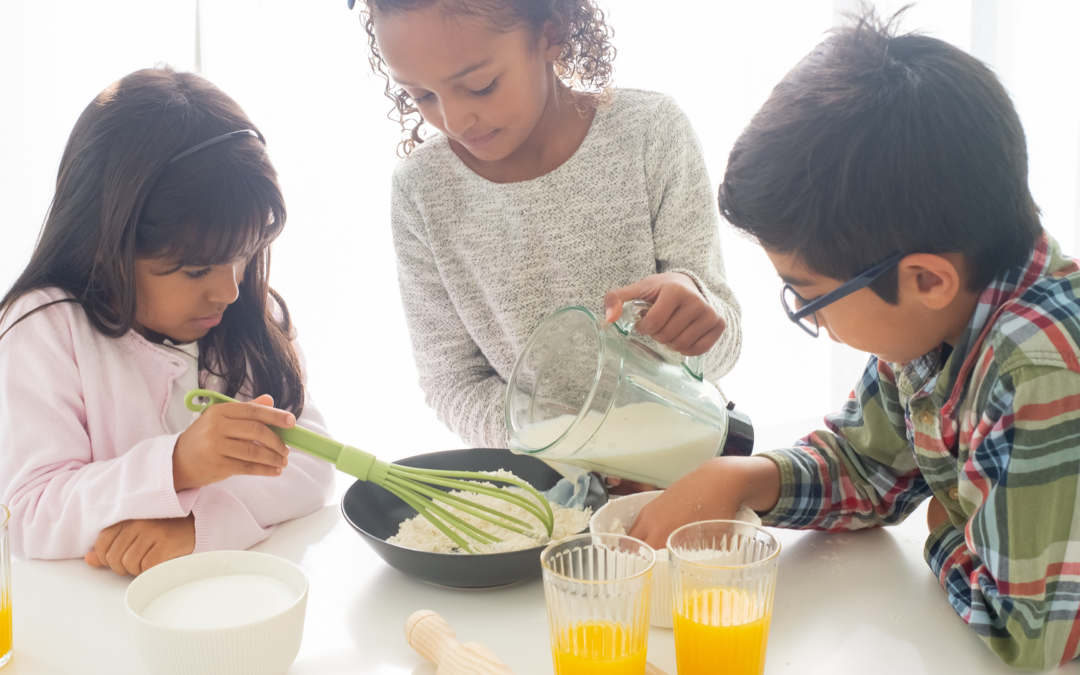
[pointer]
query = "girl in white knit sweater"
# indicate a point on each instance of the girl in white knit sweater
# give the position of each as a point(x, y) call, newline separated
point(545, 188)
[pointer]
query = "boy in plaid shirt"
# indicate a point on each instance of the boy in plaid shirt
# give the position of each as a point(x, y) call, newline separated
point(886, 179)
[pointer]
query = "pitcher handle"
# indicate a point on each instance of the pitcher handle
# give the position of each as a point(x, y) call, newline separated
point(632, 312)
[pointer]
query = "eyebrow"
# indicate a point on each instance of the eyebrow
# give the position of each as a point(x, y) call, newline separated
point(795, 281)
point(456, 76)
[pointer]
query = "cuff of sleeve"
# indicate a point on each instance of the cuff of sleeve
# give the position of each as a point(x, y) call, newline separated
point(779, 515)
point(944, 548)
point(173, 504)
point(202, 528)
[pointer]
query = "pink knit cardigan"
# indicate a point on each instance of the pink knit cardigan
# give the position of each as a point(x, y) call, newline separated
point(84, 444)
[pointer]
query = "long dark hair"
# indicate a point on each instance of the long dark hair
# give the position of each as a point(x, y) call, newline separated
point(118, 198)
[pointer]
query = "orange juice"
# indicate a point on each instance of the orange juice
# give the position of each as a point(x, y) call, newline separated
point(720, 650)
point(599, 648)
point(5, 631)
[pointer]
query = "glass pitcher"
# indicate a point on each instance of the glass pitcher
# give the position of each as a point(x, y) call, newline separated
point(602, 397)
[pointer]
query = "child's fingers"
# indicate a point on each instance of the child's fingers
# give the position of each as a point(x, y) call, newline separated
point(698, 328)
point(682, 329)
point(157, 554)
point(614, 299)
point(254, 454)
point(258, 413)
point(706, 342)
point(114, 555)
point(264, 400)
point(133, 557)
point(249, 431)
point(101, 545)
point(658, 315)
point(92, 560)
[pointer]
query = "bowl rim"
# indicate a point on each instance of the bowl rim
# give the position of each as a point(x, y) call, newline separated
point(301, 597)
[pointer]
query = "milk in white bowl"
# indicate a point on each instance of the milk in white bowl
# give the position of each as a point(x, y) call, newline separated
point(223, 601)
point(219, 613)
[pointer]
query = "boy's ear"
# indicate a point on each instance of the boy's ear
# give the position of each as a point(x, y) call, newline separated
point(931, 280)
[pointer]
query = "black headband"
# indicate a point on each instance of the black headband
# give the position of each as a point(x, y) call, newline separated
point(215, 141)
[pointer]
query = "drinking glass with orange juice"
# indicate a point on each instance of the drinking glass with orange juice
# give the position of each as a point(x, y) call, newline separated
point(5, 589)
point(723, 582)
point(597, 591)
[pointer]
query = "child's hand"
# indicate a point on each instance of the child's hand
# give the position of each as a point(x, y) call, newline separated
point(680, 317)
point(134, 546)
point(230, 439)
point(713, 491)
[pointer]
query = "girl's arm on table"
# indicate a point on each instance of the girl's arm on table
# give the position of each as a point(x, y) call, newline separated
point(459, 383)
point(686, 225)
point(59, 497)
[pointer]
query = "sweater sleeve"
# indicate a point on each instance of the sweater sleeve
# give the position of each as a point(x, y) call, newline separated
point(686, 225)
point(60, 497)
point(458, 381)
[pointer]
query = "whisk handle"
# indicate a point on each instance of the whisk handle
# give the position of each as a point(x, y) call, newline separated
point(297, 437)
point(434, 639)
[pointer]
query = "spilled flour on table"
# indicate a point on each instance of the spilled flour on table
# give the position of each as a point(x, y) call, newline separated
point(418, 533)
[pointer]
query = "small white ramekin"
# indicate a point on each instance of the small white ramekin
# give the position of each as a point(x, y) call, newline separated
point(266, 647)
point(618, 515)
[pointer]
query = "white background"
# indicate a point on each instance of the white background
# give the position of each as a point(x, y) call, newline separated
point(300, 70)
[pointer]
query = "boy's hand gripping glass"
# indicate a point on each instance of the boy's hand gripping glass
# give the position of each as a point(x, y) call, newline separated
point(803, 313)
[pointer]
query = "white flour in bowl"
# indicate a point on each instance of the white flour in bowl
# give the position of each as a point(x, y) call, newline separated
point(419, 534)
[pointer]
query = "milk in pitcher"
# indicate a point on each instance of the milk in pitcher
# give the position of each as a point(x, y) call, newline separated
point(646, 442)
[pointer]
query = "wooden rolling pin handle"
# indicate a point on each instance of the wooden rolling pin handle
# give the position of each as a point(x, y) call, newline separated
point(434, 639)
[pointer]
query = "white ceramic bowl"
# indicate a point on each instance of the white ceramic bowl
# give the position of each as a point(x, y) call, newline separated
point(264, 647)
point(618, 515)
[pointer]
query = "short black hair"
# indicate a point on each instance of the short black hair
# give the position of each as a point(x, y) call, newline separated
point(879, 143)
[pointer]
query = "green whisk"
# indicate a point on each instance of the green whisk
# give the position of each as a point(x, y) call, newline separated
point(416, 487)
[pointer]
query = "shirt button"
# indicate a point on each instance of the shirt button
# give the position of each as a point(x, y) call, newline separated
point(926, 418)
point(954, 493)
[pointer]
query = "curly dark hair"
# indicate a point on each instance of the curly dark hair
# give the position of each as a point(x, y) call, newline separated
point(584, 69)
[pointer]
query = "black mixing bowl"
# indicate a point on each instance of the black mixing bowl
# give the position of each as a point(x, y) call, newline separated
point(376, 514)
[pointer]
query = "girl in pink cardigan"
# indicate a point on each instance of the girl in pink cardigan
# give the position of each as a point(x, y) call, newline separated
point(151, 278)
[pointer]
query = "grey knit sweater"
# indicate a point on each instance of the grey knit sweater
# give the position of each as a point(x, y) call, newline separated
point(481, 264)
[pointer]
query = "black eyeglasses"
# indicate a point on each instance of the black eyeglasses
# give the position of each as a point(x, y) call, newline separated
point(802, 313)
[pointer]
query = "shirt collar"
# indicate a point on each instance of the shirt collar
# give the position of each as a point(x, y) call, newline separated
point(1000, 293)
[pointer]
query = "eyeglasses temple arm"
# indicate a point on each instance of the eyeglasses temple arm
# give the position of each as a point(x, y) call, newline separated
point(848, 287)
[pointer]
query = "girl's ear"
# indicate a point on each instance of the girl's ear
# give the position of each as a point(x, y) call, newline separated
point(930, 280)
point(551, 41)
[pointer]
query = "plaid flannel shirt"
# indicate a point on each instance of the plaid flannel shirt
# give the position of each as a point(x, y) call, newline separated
point(992, 429)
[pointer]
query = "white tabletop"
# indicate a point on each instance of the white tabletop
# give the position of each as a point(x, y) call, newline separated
point(846, 603)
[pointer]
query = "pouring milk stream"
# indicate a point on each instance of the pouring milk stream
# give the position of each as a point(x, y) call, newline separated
point(598, 396)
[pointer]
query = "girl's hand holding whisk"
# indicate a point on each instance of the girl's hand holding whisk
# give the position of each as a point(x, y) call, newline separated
point(134, 546)
point(231, 439)
point(680, 317)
